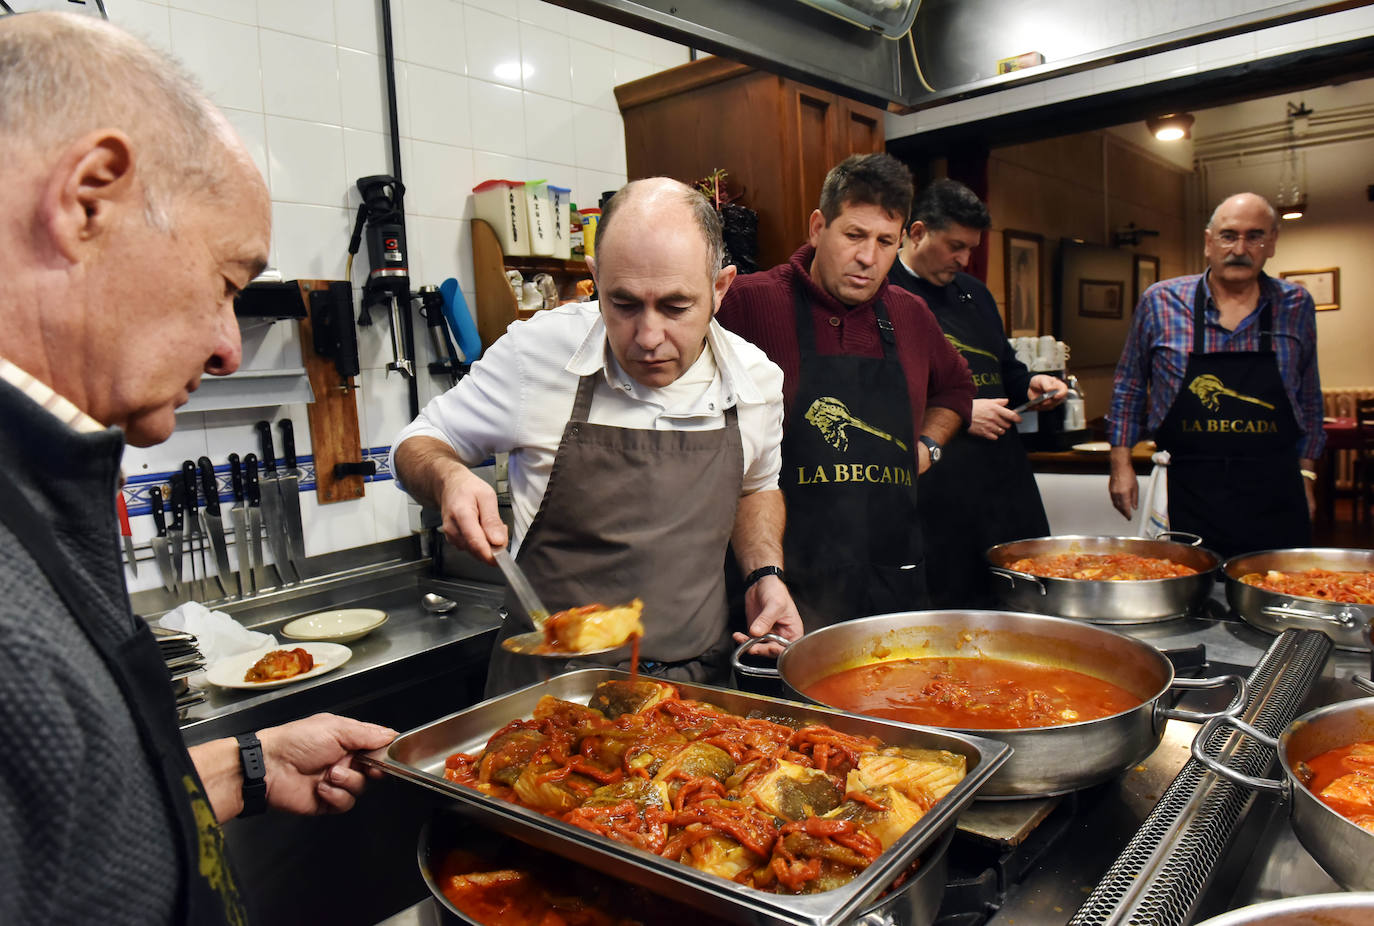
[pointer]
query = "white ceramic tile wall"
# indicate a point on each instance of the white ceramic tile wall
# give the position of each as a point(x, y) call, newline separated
point(1204, 56)
point(486, 88)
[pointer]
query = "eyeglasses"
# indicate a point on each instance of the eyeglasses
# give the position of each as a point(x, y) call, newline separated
point(1253, 238)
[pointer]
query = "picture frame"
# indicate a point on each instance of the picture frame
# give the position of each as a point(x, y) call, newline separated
point(1101, 298)
point(1324, 285)
point(1022, 260)
point(1146, 274)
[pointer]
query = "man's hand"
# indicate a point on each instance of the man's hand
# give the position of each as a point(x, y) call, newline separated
point(770, 609)
point(310, 766)
point(1043, 383)
point(1122, 484)
point(472, 520)
point(992, 418)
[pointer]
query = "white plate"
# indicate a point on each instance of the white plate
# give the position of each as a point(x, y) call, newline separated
point(342, 626)
point(229, 672)
point(1093, 446)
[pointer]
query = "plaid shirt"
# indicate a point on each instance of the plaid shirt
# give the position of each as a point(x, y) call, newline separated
point(1155, 357)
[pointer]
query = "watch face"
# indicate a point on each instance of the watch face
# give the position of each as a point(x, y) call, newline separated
point(934, 454)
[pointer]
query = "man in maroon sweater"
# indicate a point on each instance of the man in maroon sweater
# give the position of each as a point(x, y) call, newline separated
point(872, 390)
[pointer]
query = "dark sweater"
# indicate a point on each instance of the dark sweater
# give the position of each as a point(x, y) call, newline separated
point(84, 834)
point(760, 308)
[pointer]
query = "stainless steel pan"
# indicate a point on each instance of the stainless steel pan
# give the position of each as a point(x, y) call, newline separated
point(418, 756)
point(1341, 847)
point(1351, 909)
point(915, 903)
point(1346, 624)
point(1103, 602)
point(1045, 760)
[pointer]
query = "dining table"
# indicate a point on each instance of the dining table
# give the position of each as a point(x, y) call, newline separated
point(1341, 434)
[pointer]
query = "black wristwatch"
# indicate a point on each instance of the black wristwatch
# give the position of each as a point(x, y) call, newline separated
point(254, 774)
point(759, 573)
point(933, 447)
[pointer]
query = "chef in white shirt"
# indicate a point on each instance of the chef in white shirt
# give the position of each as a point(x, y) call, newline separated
point(643, 439)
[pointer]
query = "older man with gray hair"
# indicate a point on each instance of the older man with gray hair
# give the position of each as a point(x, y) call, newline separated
point(643, 438)
point(130, 216)
point(1222, 369)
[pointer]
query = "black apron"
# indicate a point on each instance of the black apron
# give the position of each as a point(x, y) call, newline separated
point(1233, 439)
point(208, 887)
point(982, 492)
point(852, 545)
point(633, 513)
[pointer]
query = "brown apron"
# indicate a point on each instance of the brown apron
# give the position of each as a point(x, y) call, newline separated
point(633, 513)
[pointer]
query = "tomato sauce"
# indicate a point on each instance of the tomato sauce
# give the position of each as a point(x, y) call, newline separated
point(972, 693)
point(1343, 779)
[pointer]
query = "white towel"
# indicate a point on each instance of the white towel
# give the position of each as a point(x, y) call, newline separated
point(1156, 508)
point(217, 634)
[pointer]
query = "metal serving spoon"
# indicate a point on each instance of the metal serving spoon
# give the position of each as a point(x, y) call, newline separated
point(437, 604)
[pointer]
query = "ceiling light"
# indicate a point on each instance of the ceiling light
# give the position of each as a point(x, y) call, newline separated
point(1291, 200)
point(1171, 127)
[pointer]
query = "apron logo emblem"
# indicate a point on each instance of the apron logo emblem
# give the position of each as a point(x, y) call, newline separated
point(1209, 389)
point(963, 348)
point(831, 417)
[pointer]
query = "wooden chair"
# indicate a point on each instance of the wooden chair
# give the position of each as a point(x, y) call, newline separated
point(1364, 460)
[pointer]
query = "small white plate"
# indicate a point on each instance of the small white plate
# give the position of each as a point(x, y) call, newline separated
point(1093, 446)
point(229, 672)
point(342, 626)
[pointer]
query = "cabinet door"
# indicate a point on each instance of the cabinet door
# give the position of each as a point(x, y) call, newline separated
point(862, 129)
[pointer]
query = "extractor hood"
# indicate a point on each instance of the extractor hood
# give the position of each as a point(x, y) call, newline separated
point(890, 17)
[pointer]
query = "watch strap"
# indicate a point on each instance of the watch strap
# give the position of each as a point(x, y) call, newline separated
point(254, 774)
point(931, 445)
point(759, 573)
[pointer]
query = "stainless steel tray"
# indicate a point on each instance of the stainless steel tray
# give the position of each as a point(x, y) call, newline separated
point(418, 756)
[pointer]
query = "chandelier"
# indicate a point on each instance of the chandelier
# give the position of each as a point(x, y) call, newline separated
point(1291, 200)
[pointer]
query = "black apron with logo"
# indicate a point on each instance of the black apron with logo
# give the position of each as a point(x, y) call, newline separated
point(633, 513)
point(1232, 439)
point(208, 888)
point(982, 492)
point(852, 545)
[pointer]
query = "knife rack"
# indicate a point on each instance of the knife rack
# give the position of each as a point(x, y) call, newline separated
point(334, 434)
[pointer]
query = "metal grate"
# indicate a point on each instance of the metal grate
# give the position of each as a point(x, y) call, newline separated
point(1162, 873)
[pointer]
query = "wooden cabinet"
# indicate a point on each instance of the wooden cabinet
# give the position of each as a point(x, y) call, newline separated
point(775, 138)
point(496, 305)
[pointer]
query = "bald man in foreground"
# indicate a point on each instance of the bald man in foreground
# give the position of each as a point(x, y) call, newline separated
point(130, 216)
point(1221, 369)
point(643, 438)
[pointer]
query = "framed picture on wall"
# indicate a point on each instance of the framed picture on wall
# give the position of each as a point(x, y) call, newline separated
point(1324, 285)
point(1146, 275)
point(1100, 298)
point(1021, 254)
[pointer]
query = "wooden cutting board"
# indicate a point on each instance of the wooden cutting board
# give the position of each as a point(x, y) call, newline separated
point(334, 433)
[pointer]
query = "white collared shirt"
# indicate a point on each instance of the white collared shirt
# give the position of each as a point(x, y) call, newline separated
point(519, 396)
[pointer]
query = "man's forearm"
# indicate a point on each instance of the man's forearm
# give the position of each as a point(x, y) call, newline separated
point(757, 535)
point(421, 465)
point(217, 764)
point(940, 424)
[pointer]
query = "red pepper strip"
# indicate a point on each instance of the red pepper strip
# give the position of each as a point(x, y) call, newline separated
point(794, 875)
point(859, 797)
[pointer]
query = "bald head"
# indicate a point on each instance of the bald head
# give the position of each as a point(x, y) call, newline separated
point(63, 75)
point(659, 200)
point(1246, 203)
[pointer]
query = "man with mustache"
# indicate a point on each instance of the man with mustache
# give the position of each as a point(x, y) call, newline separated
point(983, 493)
point(873, 392)
point(1222, 370)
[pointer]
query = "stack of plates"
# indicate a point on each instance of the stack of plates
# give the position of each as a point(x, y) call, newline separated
point(183, 659)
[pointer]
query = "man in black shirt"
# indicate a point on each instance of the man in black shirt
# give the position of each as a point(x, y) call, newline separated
point(986, 494)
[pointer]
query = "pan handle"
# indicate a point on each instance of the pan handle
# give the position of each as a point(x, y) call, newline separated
point(1012, 577)
point(1235, 707)
point(1278, 786)
point(1193, 540)
point(1362, 682)
point(756, 671)
point(1346, 617)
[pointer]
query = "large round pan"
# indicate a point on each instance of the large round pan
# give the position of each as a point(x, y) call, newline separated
point(1351, 909)
point(1346, 624)
point(915, 903)
point(1341, 847)
point(1133, 601)
point(1045, 760)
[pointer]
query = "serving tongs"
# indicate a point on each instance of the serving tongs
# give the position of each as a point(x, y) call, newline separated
point(533, 643)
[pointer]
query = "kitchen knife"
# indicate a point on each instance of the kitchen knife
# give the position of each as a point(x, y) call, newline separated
point(272, 514)
point(212, 522)
point(160, 551)
point(126, 533)
point(177, 501)
point(191, 531)
point(289, 483)
point(253, 498)
point(239, 515)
